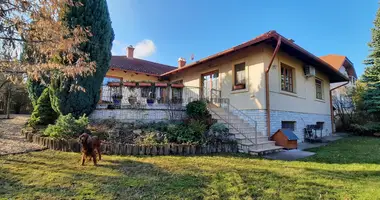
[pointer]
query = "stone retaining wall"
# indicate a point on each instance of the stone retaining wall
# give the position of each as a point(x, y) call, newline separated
point(133, 149)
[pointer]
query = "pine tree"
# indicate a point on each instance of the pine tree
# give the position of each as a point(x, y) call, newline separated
point(94, 15)
point(42, 113)
point(371, 76)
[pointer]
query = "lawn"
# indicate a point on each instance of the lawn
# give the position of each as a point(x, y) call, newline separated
point(346, 169)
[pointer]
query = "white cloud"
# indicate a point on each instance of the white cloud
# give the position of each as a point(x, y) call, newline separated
point(144, 49)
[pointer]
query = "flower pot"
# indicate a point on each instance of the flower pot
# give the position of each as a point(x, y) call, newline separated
point(161, 84)
point(239, 86)
point(116, 101)
point(132, 100)
point(150, 102)
point(130, 84)
point(145, 84)
point(174, 85)
point(113, 84)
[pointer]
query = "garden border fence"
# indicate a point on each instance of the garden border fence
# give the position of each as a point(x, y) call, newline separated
point(107, 148)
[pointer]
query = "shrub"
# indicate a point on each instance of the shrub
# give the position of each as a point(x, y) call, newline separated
point(218, 133)
point(152, 138)
point(196, 109)
point(367, 129)
point(43, 113)
point(67, 127)
point(193, 132)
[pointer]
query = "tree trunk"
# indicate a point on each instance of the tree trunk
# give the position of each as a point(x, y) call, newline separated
point(8, 102)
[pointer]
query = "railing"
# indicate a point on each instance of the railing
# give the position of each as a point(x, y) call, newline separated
point(233, 109)
point(226, 105)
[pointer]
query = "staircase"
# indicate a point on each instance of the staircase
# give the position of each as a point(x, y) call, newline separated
point(249, 140)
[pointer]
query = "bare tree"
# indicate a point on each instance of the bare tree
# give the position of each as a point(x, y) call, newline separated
point(51, 44)
point(344, 106)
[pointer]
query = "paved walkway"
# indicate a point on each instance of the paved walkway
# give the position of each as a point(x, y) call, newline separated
point(11, 140)
point(300, 153)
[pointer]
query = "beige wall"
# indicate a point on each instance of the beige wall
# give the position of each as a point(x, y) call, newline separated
point(131, 76)
point(304, 97)
point(253, 97)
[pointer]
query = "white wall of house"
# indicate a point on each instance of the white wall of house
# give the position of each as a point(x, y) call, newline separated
point(300, 106)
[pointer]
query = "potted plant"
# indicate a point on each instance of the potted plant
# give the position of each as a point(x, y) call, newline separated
point(116, 98)
point(132, 99)
point(239, 86)
point(150, 99)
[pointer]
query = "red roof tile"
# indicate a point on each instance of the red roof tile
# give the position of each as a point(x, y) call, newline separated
point(334, 60)
point(139, 65)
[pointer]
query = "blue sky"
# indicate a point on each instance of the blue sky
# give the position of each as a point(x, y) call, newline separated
point(165, 30)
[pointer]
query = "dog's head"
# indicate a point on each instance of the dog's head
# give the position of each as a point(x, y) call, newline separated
point(83, 138)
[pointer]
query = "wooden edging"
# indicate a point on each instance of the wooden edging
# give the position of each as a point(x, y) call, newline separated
point(72, 145)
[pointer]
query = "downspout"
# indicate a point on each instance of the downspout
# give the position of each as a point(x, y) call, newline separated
point(267, 99)
point(331, 106)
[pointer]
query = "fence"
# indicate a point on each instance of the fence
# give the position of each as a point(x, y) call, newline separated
point(133, 149)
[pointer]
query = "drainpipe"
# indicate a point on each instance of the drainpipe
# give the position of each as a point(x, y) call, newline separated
point(267, 99)
point(331, 106)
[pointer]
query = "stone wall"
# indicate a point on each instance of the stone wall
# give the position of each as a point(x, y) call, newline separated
point(301, 120)
point(255, 114)
point(132, 115)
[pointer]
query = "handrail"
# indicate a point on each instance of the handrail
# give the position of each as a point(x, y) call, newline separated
point(247, 117)
point(237, 129)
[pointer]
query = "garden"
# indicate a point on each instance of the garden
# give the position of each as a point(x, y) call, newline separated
point(198, 129)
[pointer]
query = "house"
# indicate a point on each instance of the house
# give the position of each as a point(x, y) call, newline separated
point(257, 88)
point(342, 103)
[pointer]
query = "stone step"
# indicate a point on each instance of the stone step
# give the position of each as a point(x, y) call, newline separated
point(268, 143)
point(238, 125)
point(231, 121)
point(260, 152)
point(249, 139)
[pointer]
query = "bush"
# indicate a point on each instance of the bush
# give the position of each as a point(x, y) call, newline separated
point(67, 127)
point(193, 132)
point(218, 133)
point(43, 113)
point(152, 138)
point(367, 129)
point(196, 109)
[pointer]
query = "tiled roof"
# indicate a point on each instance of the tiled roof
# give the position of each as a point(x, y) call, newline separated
point(287, 45)
point(334, 60)
point(139, 65)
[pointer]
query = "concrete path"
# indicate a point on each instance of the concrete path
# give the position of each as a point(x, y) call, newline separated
point(300, 153)
point(11, 140)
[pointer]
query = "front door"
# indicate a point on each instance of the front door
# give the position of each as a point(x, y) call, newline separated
point(210, 85)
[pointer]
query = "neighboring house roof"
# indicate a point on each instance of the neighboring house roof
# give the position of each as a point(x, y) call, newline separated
point(288, 46)
point(139, 65)
point(337, 61)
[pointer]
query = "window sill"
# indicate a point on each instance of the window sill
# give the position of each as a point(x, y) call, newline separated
point(288, 93)
point(320, 100)
point(239, 91)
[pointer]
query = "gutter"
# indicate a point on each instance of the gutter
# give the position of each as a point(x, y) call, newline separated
point(331, 105)
point(267, 95)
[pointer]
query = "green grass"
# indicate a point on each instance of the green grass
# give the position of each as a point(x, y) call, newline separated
point(347, 169)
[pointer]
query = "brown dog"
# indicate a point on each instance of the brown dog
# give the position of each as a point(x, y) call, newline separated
point(90, 146)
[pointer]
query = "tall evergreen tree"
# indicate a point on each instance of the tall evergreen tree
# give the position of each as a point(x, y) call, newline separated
point(94, 15)
point(371, 76)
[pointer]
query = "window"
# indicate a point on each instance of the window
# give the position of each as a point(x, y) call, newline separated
point(318, 89)
point(108, 80)
point(239, 76)
point(320, 125)
point(288, 125)
point(287, 81)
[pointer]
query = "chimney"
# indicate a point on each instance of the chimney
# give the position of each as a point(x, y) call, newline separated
point(181, 62)
point(130, 50)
